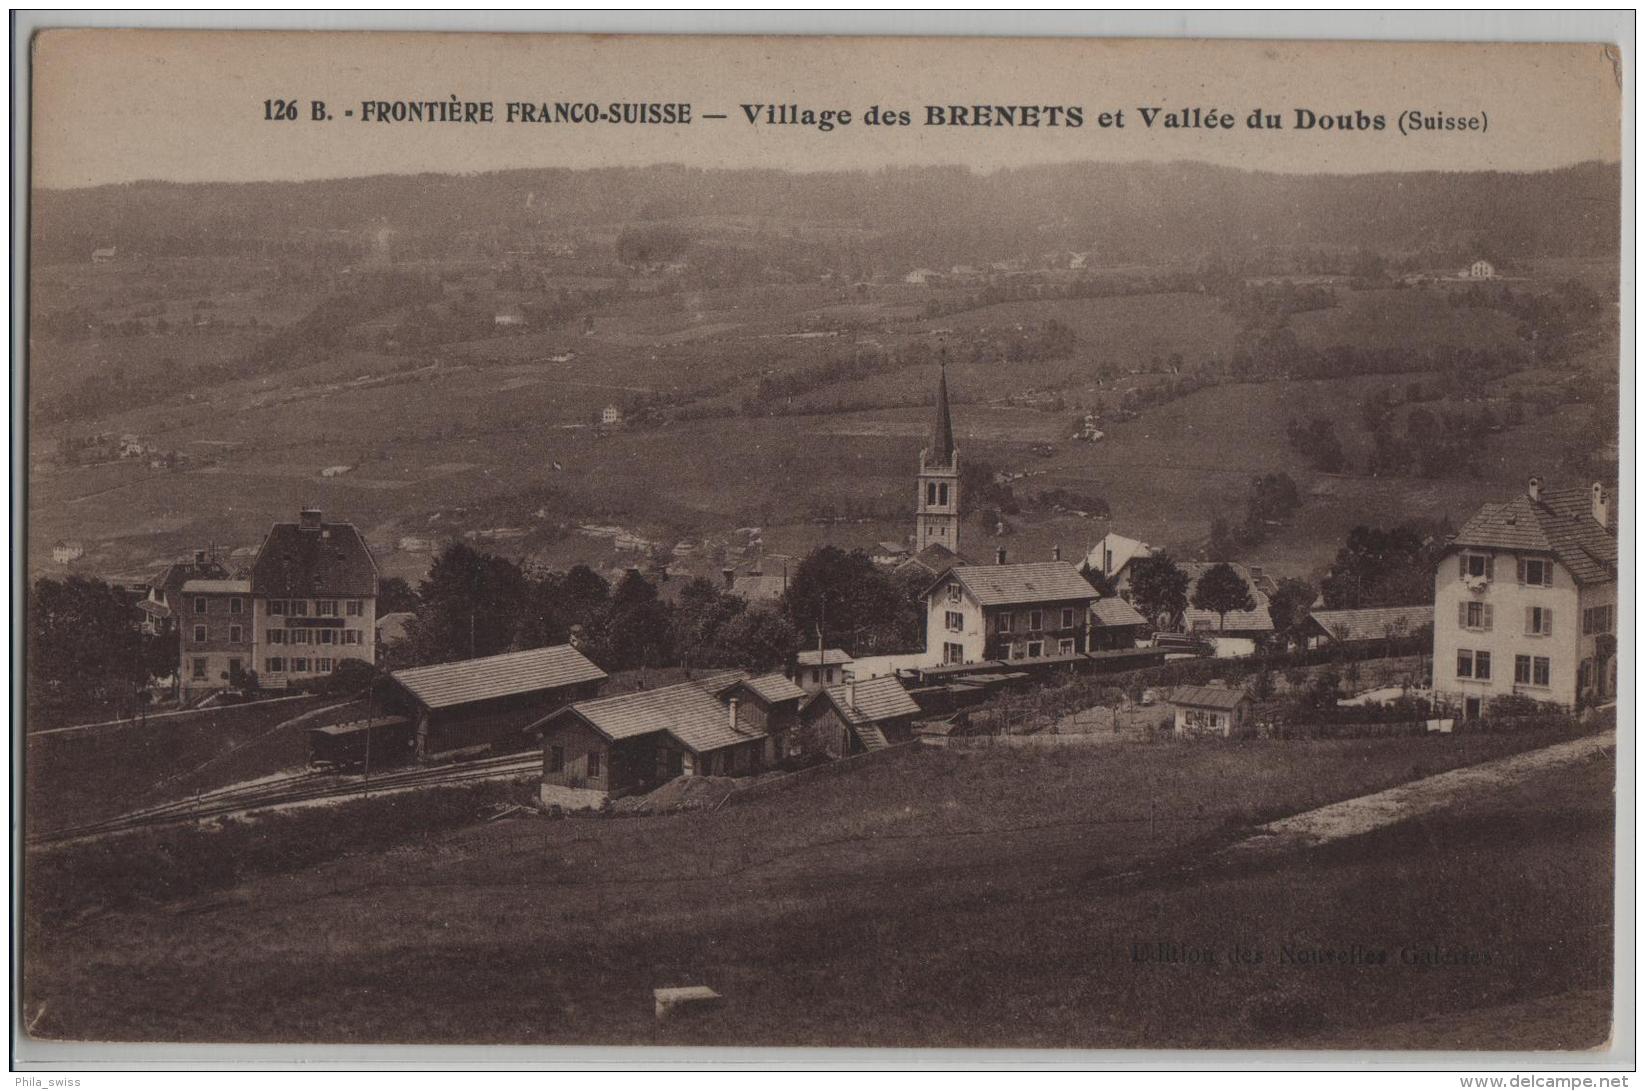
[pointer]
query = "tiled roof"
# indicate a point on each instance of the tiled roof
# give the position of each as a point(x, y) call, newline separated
point(1009, 584)
point(760, 588)
point(871, 701)
point(1125, 550)
point(175, 575)
point(392, 627)
point(829, 657)
point(717, 682)
point(684, 711)
point(492, 676)
point(1114, 612)
point(296, 563)
point(1374, 622)
point(217, 587)
point(1207, 696)
point(1255, 620)
point(1561, 523)
point(773, 688)
point(935, 559)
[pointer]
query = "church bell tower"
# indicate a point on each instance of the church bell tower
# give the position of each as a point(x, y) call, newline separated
point(937, 509)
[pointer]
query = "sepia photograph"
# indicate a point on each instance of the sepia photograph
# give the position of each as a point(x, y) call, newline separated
point(1033, 544)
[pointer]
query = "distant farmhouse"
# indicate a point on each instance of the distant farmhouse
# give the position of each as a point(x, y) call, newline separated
point(103, 255)
point(1480, 270)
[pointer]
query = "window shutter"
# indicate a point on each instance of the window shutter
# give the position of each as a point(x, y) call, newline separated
point(1462, 566)
point(1462, 615)
point(1487, 619)
point(1547, 623)
point(1490, 566)
point(1522, 570)
point(1530, 619)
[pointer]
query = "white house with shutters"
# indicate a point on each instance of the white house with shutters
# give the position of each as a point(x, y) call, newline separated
point(1525, 601)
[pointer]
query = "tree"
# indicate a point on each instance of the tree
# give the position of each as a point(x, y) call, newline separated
point(636, 629)
point(852, 602)
point(1381, 567)
point(84, 645)
point(759, 639)
point(1290, 606)
point(701, 613)
point(472, 604)
point(1222, 590)
point(395, 595)
point(1159, 587)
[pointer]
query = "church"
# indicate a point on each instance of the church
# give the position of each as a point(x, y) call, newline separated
point(937, 503)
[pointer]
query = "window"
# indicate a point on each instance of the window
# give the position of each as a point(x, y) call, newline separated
point(954, 591)
point(236, 606)
point(299, 665)
point(276, 607)
point(593, 763)
point(1482, 665)
point(328, 636)
point(300, 636)
point(942, 495)
point(1537, 573)
point(1476, 565)
point(276, 636)
point(1522, 670)
point(1471, 664)
point(556, 759)
point(199, 634)
point(198, 669)
point(233, 667)
point(816, 676)
point(953, 653)
point(1531, 670)
point(1065, 646)
point(199, 604)
point(298, 607)
point(1004, 623)
point(930, 494)
point(351, 636)
point(1067, 617)
point(322, 665)
point(1598, 619)
point(1539, 621)
point(325, 608)
point(355, 607)
point(1036, 648)
point(1539, 670)
point(234, 634)
point(1035, 621)
point(274, 665)
point(1474, 615)
point(955, 621)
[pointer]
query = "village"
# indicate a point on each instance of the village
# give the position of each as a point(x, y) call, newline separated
point(1520, 626)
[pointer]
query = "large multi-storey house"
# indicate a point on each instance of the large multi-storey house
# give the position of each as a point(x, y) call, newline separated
point(1525, 601)
point(309, 604)
point(1005, 611)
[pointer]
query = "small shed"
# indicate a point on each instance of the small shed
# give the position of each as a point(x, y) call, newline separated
point(819, 668)
point(1211, 710)
point(857, 717)
point(491, 701)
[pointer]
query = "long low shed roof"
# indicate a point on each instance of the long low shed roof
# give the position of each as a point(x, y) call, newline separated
point(685, 711)
point(510, 674)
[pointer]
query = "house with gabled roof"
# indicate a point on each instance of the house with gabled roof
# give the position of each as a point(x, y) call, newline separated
point(1008, 612)
point(1237, 633)
point(493, 700)
point(815, 668)
point(314, 600)
point(1525, 601)
point(614, 746)
point(1211, 710)
point(857, 717)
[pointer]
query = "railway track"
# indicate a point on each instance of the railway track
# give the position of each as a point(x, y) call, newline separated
point(297, 788)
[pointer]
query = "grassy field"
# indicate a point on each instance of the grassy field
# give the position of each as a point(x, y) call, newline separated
point(930, 898)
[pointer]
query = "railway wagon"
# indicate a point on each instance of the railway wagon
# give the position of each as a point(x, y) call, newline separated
point(386, 741)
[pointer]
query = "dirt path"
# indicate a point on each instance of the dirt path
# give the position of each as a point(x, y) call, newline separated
point(1366, 813)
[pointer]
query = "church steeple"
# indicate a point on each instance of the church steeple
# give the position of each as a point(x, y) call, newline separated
point(937, 506)
point(942, 435)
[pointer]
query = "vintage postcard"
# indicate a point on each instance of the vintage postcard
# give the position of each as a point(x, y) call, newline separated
point(1055, 544)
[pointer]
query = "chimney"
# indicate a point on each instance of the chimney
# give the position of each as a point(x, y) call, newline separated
point(1533, 489)
point(999, 555)
point(730, 577)
point(1602, 506)
point(309, 519)
point(731, 708)
point(200, 554)
point(1056, 553)
point(851, 693)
